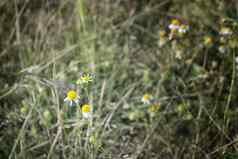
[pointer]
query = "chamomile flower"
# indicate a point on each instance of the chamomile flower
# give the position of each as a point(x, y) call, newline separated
point(147, 98)
point(72, 97)
point(174, 25)
point(222, 48)
point(84, 79)
point(183, 28)
point(87, 110)
point(225, 31)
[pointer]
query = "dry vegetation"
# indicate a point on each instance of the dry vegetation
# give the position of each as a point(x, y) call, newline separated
point(163, 75)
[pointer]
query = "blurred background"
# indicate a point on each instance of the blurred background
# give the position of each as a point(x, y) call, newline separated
point(164, 79)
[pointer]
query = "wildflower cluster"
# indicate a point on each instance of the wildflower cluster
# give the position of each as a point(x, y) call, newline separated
point(73, 98)
point(220, 40)
point(225, 33)
point(149, 100)
point(177, 28)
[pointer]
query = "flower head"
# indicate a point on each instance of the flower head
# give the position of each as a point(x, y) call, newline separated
point(174, 25)
point(147, 98)
point(183, 28)
point(225, 31)
point(87, 111)
point(222, 48)
point(85, 79)
point(72, 97)
point(177, 26)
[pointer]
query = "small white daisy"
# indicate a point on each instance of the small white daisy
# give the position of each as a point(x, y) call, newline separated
point(87, 111)
point(147, 98)
point(174, 25)
point(222, 48)
point(72, 97)
point(183, 28)
point(225, 31)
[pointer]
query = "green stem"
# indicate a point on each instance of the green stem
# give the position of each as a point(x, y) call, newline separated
point(226, 119)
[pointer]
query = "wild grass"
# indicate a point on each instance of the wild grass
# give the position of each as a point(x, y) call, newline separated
point(129, 51)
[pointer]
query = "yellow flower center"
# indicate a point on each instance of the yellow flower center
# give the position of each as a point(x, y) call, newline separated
point(146, 97)
point(72, 95)
point(175, 22)
point(85, 78)
point(86, 108)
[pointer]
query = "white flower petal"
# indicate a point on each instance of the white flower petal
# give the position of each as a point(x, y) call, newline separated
point(236, 59)
point(66, 99)
point(87, 115)
point(172, 26)
point(182, 30)
point(222, 49)
point(76, 100)
point(71, 103)
point(145, 101)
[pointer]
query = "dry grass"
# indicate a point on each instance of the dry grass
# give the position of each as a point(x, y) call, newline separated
point(128, 48)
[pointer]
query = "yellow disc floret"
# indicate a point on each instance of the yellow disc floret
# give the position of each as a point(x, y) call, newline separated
point(85, 78)
point(175, 22)
point(86, 108)
point(146, 96)
point(71, 95)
